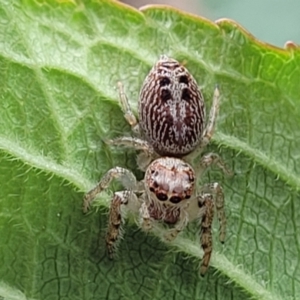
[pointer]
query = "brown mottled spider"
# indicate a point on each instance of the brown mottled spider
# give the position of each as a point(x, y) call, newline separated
point(171, 135)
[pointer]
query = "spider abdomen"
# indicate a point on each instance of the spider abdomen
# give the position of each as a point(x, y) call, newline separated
point(171, 109)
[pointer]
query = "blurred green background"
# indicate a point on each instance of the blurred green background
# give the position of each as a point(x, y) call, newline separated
point(271, 21)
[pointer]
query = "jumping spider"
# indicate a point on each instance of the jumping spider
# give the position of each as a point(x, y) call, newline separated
point(171, 135)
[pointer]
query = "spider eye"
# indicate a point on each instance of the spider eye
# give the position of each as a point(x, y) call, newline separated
point(175, 199)
point(162, 196)
point(155, 184)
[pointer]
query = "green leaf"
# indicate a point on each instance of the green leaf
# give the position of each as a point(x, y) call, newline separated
point(59, 65)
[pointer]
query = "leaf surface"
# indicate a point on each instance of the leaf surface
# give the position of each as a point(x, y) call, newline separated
point(59, 65)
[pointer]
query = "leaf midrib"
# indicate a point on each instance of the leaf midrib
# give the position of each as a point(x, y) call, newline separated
point(223, 265)
point(50, 166)
point(219, 261)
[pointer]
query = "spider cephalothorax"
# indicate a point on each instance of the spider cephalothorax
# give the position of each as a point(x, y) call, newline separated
point(170, 180)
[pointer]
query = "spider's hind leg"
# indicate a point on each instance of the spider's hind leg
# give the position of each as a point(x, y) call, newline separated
point(127, 111)
point(209, 129)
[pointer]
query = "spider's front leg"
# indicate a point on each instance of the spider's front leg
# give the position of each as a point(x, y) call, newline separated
point(126, 197)
point(125, 176)
point(115, 219)
point(216, 190)
point(206, 203)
